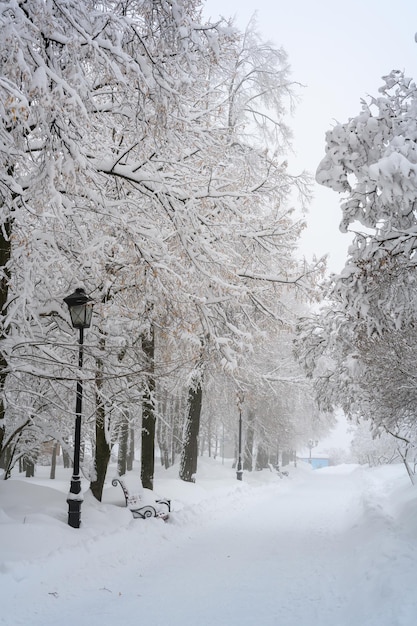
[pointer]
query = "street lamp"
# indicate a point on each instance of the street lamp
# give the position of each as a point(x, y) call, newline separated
point(81, 309)
point(239, 471)
point(312, 444)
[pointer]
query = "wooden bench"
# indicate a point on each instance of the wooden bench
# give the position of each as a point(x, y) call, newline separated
point(159, 508)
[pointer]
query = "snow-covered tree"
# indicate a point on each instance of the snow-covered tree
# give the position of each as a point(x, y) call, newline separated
point(360, 349)
point(374, 449)
point(136, 151)
point(371, 160)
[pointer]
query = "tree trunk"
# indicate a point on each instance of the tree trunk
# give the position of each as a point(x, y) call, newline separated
point(53, 460)
point(102, 454)
point(248, 450)
point(5, 457)
point(163, 430)
point(102, 448)
point(176, 442)
point(131, 450)
point(209, 434)
point(29, 467)
point(66, 459)
point(5, 253)
point(189, 457)
point(203, 443)
point(148, 415)
point(262, 457)
point(277, 458)
point(123, 446)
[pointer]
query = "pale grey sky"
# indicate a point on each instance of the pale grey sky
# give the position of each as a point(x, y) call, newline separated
point(339, 50)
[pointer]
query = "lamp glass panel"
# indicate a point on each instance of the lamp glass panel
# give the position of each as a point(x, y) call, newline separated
point(81, 315)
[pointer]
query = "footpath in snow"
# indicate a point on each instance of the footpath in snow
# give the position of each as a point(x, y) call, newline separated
point(332, 547)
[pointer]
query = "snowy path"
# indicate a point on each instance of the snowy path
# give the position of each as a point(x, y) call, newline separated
point(292, 559)
point(319, 550)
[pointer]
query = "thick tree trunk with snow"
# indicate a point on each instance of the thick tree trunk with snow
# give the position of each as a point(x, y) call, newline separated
point(102, 448)
point(53, 460)
point(5, 459)
point(148, 414)
point(189, 456)
point(29, 467)
point(123, 446)
point(102, 454)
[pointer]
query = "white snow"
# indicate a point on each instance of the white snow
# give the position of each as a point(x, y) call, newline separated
point(331, 547)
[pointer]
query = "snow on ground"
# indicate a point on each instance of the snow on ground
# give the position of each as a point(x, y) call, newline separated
point(332, 547)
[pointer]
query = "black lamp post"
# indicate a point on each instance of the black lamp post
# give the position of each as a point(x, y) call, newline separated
point(81, 309)
point(239, 470)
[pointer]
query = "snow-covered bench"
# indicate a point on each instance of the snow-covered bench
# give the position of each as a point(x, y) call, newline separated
point(277, 469)
point(143, 505)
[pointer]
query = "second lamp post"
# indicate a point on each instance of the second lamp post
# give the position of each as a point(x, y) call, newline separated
point(81, 310)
